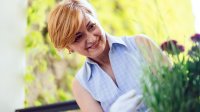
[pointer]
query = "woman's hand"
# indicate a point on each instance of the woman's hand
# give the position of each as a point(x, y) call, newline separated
point(127, 102)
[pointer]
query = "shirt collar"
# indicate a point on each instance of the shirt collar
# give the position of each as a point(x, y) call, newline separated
point(112, 41)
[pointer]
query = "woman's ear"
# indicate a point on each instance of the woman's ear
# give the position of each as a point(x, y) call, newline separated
point(69, 49)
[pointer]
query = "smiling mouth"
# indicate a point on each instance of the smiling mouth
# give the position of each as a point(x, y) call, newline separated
point(95, 45)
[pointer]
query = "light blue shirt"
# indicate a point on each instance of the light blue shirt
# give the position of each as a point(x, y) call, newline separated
point(127, 65)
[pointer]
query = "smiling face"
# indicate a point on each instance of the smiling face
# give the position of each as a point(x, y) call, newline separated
point(90, 40)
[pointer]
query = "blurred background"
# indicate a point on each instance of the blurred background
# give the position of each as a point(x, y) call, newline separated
point(47, 74)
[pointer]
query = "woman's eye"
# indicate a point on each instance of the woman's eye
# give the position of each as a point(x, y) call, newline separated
point(78, 38)
point(92, 27)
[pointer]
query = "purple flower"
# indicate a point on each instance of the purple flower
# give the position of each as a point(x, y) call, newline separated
point(196, 37)
point(168, 45)
point(181, 48)
point(172, 47)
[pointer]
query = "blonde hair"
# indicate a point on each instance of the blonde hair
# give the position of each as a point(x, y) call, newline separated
point(65, 20)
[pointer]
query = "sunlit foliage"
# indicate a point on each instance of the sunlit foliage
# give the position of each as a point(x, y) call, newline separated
point(49, 74)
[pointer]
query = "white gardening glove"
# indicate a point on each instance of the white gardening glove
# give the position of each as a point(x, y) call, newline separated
point(127, 102)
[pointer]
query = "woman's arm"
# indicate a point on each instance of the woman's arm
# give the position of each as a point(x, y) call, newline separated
point(84, 99)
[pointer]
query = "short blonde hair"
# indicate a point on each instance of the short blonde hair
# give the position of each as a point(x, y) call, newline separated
point(65, 20)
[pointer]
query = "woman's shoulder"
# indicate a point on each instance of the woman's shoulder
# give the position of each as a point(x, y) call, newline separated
point(141, 41)
point(132, 41)
point(136, 41)
point(84, 72)
point(83, 75)
point(138, 38)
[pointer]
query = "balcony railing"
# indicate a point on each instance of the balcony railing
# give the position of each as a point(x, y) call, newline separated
point(56, 107)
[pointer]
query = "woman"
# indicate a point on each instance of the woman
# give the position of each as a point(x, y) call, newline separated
point(113, 65)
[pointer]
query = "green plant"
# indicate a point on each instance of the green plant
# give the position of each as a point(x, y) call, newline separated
point(175, 88)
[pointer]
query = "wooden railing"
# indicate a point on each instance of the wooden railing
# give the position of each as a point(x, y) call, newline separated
point(56, 107)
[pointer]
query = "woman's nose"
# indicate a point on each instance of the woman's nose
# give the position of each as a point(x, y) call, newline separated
point(90, 39)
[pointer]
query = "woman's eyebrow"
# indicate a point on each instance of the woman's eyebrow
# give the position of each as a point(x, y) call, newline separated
point(78, 33)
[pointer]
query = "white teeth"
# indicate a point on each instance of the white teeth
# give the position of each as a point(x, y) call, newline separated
point(91, 45)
